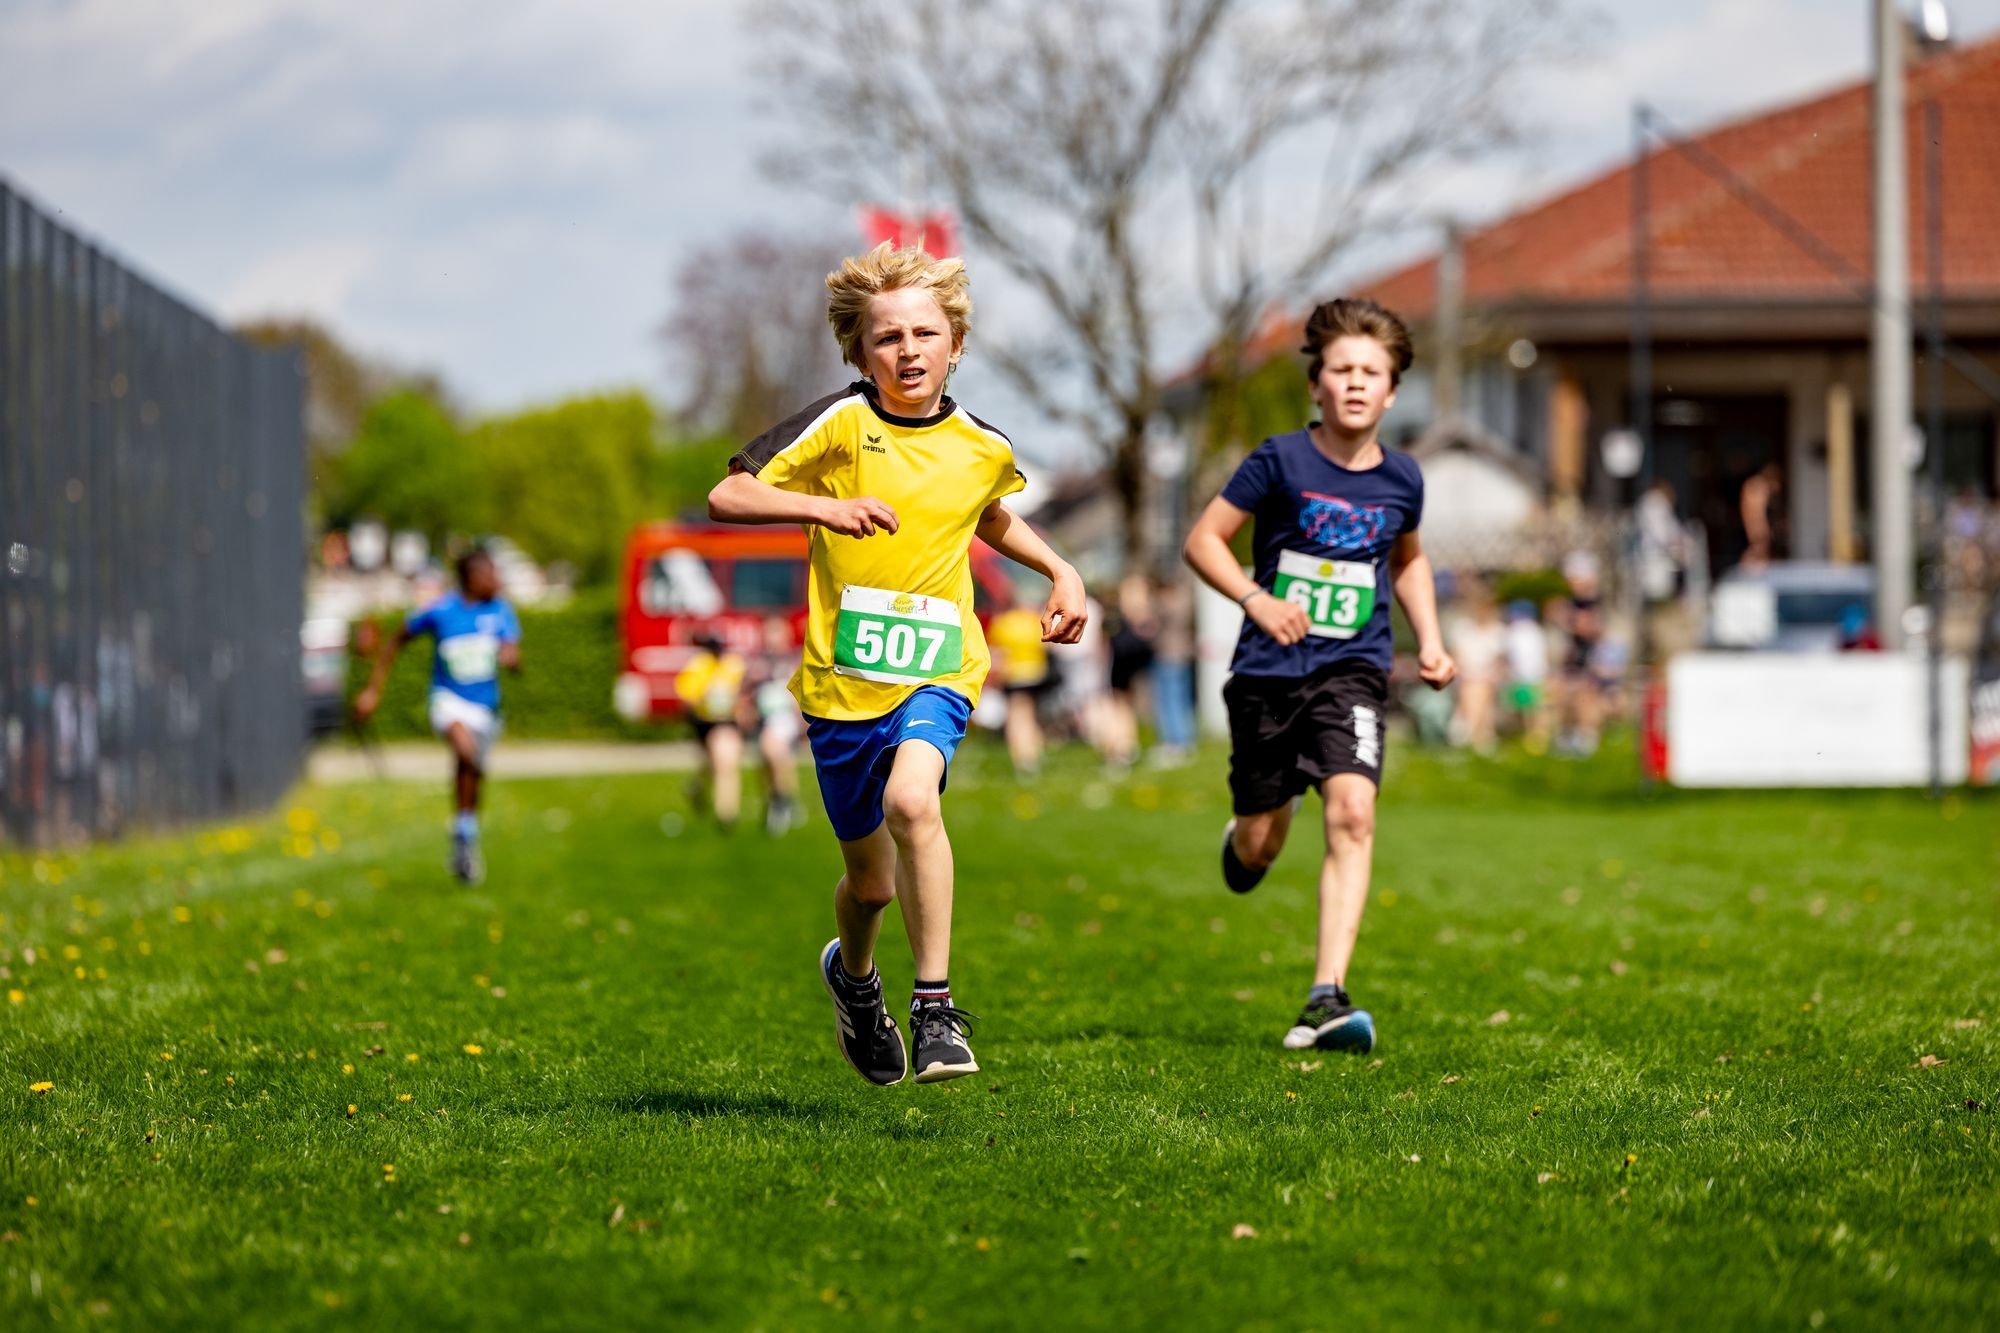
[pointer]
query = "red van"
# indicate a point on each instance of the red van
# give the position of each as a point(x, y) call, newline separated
point(747, 585)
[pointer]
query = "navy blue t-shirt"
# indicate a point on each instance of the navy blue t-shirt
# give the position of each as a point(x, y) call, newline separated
point(1322, 536)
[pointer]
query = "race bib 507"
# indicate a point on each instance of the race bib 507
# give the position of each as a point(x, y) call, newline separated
point(897, 637)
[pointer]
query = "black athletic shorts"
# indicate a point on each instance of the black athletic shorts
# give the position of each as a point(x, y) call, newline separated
point(1288, 734)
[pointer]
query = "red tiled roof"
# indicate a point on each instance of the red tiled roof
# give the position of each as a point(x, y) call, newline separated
point(1812, 159)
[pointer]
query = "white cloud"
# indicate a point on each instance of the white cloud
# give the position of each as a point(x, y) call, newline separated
point(317, 278)
point(500, 152)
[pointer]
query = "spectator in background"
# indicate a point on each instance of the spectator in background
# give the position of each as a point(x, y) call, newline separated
point(772, 716)
point(1479, 646)
point(1580, 622)
point(1762, 518)
point(1173, 671)
point(711, 686)
point(1663, 544)
point(1666, 551)
point(1021, 661)
point(1527, 674)
point(1132, 637)
point(1082, 670)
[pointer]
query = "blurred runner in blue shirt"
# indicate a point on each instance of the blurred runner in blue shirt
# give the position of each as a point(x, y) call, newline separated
point(475, 633)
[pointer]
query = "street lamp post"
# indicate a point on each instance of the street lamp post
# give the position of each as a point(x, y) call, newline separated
point(1889, 340)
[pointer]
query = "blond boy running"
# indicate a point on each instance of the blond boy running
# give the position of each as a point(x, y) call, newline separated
point(892, 480)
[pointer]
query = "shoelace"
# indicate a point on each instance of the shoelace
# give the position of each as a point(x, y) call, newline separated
point(1320, 1011)
point(941, 1022)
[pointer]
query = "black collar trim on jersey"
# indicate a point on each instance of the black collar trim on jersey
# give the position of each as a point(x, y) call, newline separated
point(867, 389)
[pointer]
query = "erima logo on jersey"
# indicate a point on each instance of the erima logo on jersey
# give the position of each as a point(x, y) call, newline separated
point(874, 445)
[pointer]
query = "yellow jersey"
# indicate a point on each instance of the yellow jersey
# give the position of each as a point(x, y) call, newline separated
point(709, 685)
point(1024, 658)
point(891, 613)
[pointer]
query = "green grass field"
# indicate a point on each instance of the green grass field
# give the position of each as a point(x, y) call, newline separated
point(1694, 1060)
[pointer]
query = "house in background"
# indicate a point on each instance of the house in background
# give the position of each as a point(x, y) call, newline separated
point(1760, 350)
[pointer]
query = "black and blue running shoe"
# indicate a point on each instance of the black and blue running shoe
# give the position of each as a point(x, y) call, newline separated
point(1332, 1023)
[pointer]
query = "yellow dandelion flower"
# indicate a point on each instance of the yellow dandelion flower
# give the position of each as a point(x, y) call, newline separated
point(71, 952)
point(81, 973)
point(347, 1069)
point(31, 1201)
point(17, 997)
point(183, 913)
point(474, 1048)
point(351, 1109)
point(166, 1055)
point(402, 1096)
point(411, 1058)
point(146, 947)
point(43, 1086)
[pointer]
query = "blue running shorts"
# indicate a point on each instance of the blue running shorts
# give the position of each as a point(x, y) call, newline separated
point(853, 758)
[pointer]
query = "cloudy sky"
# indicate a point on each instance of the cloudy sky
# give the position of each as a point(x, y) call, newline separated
point(499, 189)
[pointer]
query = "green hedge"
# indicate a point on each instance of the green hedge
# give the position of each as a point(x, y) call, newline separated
point(569, 659)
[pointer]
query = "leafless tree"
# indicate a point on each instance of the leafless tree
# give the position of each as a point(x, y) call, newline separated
point(1158, 173)
point(747, 338)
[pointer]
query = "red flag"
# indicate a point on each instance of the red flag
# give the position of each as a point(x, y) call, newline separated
point(934, 233)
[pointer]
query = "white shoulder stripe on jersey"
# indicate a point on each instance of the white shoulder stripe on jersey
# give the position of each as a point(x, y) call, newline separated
point(974, 422)
point(831, 412)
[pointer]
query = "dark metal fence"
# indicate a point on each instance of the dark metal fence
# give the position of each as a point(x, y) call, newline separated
point(151, 549)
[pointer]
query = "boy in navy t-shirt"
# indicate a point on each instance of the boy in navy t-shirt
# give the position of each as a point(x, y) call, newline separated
point(475, 632)
point(1336, 534)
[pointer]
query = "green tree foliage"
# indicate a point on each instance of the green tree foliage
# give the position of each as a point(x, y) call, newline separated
point(568, 482)
point(409, 467)
point(685, 471)
point(341, 385)
point(565, 481)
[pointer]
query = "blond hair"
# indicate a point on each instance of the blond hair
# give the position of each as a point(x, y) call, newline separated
point(886, 269)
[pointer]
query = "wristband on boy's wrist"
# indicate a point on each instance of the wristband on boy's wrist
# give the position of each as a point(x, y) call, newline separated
point(1244, 600)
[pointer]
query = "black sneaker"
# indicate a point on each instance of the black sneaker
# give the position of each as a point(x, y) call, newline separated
point(942, 1051)
point(869, 1038)
point(1239, 877)
point(1333, 1025)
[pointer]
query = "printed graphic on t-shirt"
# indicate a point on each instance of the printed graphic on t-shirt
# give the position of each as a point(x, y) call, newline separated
point(1332, 521)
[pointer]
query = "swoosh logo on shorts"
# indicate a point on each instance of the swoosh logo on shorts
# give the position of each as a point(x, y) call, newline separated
point(921, 722)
